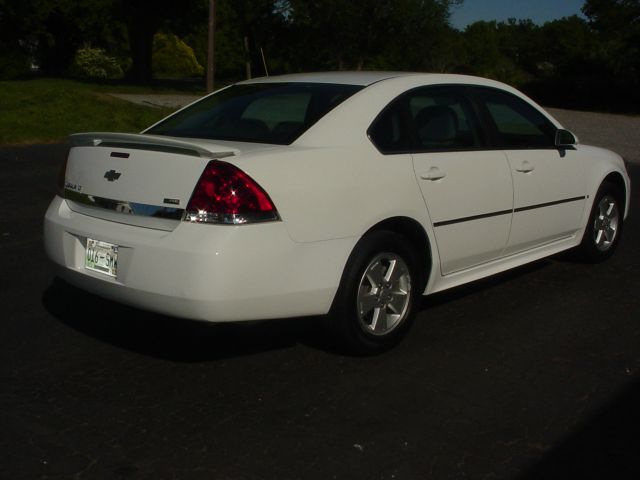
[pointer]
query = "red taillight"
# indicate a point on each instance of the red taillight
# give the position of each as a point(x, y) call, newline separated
point(225, 194)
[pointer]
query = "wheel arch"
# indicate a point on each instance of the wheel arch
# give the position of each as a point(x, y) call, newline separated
point(589, 248)
point(413, 231)
point(616, 179)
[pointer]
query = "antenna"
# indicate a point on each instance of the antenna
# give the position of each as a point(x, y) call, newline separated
point(264, 62)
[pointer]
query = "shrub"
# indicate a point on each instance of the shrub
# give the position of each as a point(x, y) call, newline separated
point(13, 65)
point(174, 58)
point(94, 63)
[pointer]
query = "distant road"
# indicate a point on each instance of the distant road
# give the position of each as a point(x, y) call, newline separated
point(619, 133)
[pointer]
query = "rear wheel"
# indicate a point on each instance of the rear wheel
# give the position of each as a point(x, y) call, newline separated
point(378, 294)
point(604, 227)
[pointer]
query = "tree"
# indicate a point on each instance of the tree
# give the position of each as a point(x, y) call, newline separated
point(613, 16)
point(67, 25)
point(618, 25)
point(567, 46)
point(143, 20)
point(261, 26)
point(49, 32)
point(499, 50)
point(19, 26)
point(358, 34)
point(228, 55)
point(617, 56)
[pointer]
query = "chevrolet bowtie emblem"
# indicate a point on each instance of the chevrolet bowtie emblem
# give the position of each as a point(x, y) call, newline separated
point(112, 175)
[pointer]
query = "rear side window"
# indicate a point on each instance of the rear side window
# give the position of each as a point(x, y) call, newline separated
point(276, 113)
point(389, 131)
point(443, 120)
point(518, 124)
point(427, 119)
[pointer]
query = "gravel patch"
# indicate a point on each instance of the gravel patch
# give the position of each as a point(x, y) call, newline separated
point(619, 133)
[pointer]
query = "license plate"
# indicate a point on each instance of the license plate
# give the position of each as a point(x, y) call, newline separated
point(101, 257)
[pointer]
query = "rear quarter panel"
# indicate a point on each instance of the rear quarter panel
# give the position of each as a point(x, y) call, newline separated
point(325, 193)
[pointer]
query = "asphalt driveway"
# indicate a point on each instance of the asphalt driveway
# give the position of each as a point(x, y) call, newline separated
point(534, 374)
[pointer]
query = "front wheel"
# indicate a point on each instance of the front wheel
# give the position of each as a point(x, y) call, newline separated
point(378, 294)
point(604, 227)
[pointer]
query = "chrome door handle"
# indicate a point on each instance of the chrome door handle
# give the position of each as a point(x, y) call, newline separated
point(433, 174)
point(525, 167)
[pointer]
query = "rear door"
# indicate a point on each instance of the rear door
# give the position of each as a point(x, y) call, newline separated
point(467, 187)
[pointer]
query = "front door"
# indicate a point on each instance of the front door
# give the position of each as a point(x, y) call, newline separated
point(549, 185)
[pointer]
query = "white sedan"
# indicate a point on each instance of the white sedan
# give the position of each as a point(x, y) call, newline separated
point(347, 194)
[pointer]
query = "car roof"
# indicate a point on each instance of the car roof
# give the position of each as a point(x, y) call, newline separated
point(365, 78)
point(347, 78)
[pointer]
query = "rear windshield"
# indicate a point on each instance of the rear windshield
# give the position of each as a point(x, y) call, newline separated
point(264, 113)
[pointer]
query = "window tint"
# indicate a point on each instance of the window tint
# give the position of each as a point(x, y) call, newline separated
point(519, 125)
point(277, 109)
point(428, 119)
point(443, 120)
point(265, 113)
point(388, 132)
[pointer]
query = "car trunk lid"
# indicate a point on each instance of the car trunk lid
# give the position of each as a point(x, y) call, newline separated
point(135, 179)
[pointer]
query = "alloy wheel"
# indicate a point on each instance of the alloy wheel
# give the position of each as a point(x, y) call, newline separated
point(384, 294)
point(605, 225)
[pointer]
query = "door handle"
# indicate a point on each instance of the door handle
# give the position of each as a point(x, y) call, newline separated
point(433, 174)
point(525, 167)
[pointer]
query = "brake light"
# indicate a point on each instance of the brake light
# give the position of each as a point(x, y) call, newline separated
point(225, 194)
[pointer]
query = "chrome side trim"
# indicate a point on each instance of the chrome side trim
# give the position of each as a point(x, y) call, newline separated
point(507, 212)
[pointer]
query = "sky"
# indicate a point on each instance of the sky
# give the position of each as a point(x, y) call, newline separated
point(539, 11)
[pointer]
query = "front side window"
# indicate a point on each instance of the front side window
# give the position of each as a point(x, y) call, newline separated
point(276, 113)
point(518, 124)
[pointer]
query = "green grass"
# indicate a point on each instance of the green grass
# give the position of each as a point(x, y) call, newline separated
point(47, 110)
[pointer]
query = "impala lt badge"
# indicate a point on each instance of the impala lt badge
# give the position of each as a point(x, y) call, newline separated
point(112, 175)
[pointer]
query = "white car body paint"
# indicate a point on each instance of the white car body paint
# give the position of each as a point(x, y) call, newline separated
point(466, 244)
point(330, 186)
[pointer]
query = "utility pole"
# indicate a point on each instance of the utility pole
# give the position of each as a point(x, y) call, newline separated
point(212, 31)
point(247, 63)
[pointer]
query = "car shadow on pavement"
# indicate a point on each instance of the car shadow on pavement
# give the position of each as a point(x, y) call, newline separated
point(184, 340)
point(173, 338)
point(458, 293)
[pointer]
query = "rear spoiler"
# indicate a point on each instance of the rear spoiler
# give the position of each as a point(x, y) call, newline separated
point(143, 142)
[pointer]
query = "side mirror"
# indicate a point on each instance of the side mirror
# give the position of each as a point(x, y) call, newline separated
point(565, 139)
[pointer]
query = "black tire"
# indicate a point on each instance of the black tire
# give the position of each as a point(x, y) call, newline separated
point(603, 231)
point(353, 317)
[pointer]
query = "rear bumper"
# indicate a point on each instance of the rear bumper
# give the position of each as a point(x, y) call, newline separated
point(201, 272)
